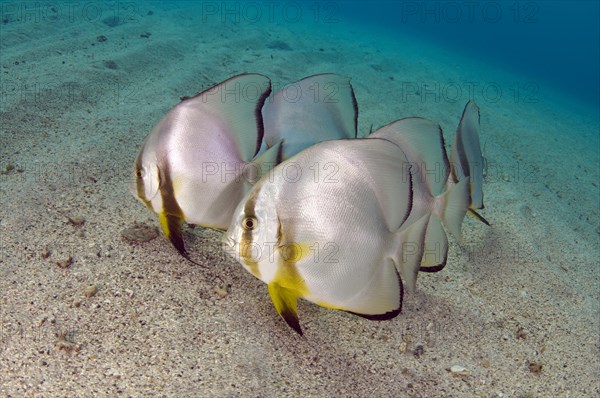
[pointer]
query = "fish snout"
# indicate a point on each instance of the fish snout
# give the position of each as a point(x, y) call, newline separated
point(132, 186)
point(228, 242)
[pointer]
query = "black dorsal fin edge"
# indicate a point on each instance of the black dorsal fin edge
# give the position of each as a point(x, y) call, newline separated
point(260, 124)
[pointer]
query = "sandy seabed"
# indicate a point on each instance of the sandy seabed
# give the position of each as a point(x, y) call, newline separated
point(516, 307)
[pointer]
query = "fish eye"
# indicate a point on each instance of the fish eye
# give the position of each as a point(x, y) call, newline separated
point(139, 173)
point(249, 223)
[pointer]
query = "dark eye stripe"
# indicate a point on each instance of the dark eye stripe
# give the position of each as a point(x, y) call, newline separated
point(248, 213)
point(247, 236)
point(139, 181)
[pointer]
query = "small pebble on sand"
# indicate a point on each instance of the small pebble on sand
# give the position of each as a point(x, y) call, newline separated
point(459, 370)
point(535, 367)
point(65, 263)
point(77, 221)
point(46, 253)
point(90, 291)
point(222, 290)
point(418, 351)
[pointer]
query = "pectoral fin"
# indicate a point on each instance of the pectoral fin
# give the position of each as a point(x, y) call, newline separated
point(264, 163)
point(286, 304)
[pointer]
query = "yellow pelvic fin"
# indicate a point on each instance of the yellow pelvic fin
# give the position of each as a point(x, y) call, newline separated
point(288, 285)
point(286, 303)
point(171, 226)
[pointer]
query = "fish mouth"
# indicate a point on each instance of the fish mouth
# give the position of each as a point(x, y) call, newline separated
point(227, 242)
point(132, 186)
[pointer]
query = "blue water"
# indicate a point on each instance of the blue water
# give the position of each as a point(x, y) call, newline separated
point(554, 42)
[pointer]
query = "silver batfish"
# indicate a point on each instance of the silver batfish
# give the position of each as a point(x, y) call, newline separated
point(200, 159)
point(329, 225)
point(338, 223)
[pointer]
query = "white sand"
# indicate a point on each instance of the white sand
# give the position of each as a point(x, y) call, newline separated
point(523, 291)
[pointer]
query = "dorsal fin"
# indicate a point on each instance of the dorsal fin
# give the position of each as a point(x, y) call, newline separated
point(423, 143)
point(466, 157)
point(317, 108)
point(233, 107)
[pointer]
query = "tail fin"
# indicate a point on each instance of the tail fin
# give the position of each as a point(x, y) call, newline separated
point(466, 159)
point(424, 244)
point(438, 201)
point(450, 209)
point(409, 252)
point(452, 205)
point(423, 143)
point(442, 204)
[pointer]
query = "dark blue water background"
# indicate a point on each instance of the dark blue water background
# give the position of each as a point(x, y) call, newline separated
point(555, 42)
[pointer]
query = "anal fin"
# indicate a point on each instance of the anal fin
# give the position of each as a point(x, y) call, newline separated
point(435, 251)
point(410, 251)
point(454, 205)
point(381, 297)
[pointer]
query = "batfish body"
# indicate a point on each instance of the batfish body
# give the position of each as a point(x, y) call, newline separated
point(455, 185)
point(200, 159)
point(335, 237)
